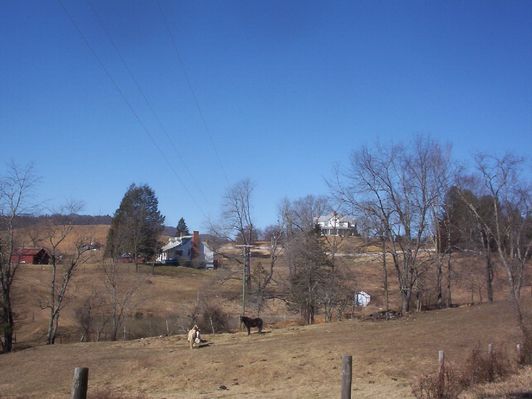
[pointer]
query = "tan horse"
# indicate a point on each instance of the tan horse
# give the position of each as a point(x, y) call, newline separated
point(194, 336)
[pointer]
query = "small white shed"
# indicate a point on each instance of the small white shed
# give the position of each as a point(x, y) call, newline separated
point(362, 299)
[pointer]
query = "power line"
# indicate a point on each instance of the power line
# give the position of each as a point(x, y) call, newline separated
point(146, 100)
point(191, 88)
point(128, 103)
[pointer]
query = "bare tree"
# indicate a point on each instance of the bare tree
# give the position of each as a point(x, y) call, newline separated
point(121, 293)
point(399, 184)
point(262, 277)
point(509, 224)
point(315, 282)
point(375, 224)
point(310, 274)
point(63, 266)
point(91, 316)
point(15, 194)
point(239, 221)
point(237, 227)
point(485, 239)
point(300, 217)
point(442, 179)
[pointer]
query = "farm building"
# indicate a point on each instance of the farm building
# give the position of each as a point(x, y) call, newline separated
point(32, 256)
point(362, 299)
point(334, 224)
point(186, 249)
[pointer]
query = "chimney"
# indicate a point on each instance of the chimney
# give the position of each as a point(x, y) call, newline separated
point(195, 244)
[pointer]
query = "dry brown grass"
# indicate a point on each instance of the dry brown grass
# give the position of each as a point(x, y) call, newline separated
point(36, 236)
point(288, 362)
point(171, 291)
point(295, 362)
point(480, 367)
point(517, 386)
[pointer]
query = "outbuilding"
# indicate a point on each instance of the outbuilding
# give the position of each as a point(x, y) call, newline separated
point(32, 256)
point(362, 299)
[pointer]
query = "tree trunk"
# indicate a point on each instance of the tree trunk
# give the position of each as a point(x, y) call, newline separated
point(405, 301)
point(439, 266)
point(485, 241)
point(385, 275)
point(525, 331)
point(489, 273)
point(50, 336)
point(7, 321)
point(52, 327)
point(439, 281)
point(449, 276)
point(449, 250)
point(115, 324)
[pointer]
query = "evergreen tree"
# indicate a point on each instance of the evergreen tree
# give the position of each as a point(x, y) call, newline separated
point(181, 229)
point(137, 225)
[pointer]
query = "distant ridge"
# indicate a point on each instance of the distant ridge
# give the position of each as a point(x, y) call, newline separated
point(28, 220)
point(31, 220)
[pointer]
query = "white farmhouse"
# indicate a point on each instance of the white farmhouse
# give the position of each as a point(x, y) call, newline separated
point(187, 250)
point(334, 224)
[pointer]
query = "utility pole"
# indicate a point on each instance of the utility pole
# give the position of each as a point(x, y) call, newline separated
point(246, 275)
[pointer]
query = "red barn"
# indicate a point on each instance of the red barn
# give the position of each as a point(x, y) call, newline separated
point(34, 256)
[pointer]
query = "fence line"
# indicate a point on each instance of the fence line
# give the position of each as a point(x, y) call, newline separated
point(81, 375)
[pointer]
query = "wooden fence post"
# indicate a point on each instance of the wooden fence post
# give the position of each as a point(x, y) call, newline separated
point(347, 370)
point(80, 383)
point(491, 371)
point(441, 373)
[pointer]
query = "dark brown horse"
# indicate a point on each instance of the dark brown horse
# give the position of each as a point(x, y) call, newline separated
point(249, 322)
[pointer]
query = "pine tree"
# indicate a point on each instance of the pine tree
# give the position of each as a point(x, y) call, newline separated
point(181, 229)
point(137, 225)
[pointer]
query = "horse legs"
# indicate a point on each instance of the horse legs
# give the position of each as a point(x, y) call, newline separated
point(249, 329)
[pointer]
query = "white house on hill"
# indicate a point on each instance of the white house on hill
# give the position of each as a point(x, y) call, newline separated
point(334, 224)
point(185, 249)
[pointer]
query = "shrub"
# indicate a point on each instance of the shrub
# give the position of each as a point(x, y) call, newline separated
point(447, 385)
point(525, 356)
point(213, 318)
point(482, 367)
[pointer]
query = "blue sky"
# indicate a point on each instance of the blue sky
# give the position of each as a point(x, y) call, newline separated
point(277, 91)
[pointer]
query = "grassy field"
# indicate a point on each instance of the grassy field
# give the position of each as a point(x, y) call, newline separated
point(295, 362)
point(170, 292)
point(287, 361)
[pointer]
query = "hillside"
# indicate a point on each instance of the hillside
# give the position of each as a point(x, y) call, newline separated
point(296, 362)
point(37, 236)
point(288, 361)
point(170, 294)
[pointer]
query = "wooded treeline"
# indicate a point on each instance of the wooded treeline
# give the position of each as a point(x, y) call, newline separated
point(423, 208)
